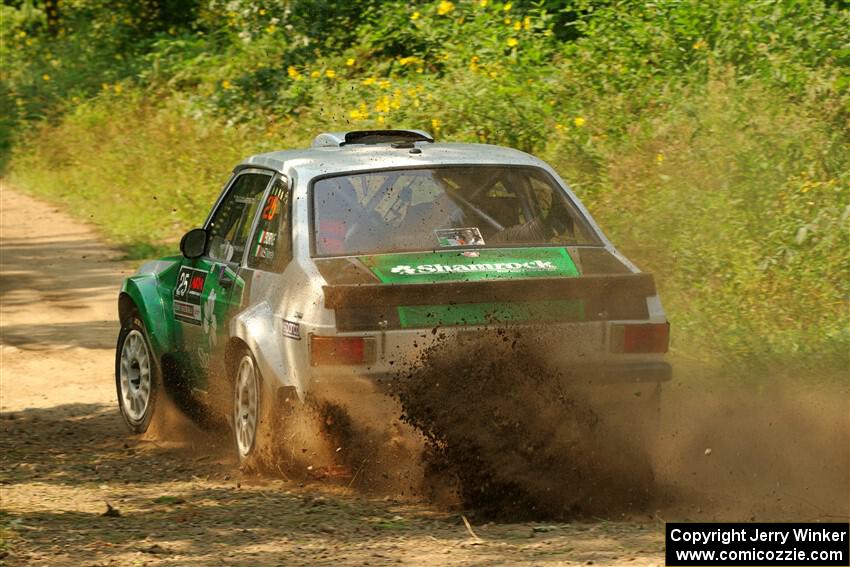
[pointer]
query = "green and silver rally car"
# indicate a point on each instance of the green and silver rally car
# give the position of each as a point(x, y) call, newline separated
point(317, 270)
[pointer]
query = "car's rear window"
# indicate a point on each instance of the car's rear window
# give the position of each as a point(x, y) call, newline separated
point(447, 207)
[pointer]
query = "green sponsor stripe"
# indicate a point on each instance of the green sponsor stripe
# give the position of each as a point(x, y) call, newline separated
point(483, 313)
point(490, 264)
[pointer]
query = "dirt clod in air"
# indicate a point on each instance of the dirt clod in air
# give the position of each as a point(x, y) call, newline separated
point(522, 439)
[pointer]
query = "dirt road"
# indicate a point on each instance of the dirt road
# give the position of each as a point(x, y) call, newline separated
point(179, 499)
point(64, 454)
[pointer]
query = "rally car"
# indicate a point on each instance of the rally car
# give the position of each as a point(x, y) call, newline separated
point(318, 269)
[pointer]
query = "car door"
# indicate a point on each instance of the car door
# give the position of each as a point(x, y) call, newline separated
point(210, 289)
point(270, 250)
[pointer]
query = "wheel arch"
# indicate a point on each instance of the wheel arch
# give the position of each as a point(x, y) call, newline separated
point(140, 294)
point(258, 330)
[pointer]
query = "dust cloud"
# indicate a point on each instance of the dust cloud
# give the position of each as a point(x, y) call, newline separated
point(495, 424)
point(522, 438)
point(766, 447)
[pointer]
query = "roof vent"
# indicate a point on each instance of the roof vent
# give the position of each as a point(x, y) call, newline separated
point(338, 139)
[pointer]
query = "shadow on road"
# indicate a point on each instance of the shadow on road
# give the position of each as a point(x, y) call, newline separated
point(184, 502)
point(60, 268)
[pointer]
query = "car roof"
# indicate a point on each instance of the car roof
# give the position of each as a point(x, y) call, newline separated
point(329, 160)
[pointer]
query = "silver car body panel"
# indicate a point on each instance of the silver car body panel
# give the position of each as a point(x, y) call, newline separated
point(277, 303)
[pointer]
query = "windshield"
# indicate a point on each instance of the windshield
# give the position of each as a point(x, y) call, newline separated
point(445, 207)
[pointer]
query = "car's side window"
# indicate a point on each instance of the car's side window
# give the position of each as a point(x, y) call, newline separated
point(271, 245)
point(231, 223)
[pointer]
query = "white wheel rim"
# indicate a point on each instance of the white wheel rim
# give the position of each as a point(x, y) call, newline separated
point(245, 406)
point(135, 375)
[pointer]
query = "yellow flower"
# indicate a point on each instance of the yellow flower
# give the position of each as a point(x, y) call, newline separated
point(262, 12)
point(384, 84)
point(380, 119)
point(507, 7)
point(293, 73)
point(517, 25)
point(445, 7)
point(508, 21)
point(383, 104)
point(699, 44)
point(415, 16)
point(350, 61)
point(358, 114)
point(512, 42)
point(659, 158)
point(104, 86)
point(369, 81)
point(45, 77)
point(118, 88)
point(330, 73)
point(22, 34)
point(526, 22)
point(560, 127)
point(579, 121)
point(483, 3)
point(315, 74)
point(435, 124)
point(407, 60)
point(225, 84)
point(271, 29)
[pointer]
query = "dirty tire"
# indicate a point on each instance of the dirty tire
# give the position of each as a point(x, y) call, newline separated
point(253, 417)
point(138, 377)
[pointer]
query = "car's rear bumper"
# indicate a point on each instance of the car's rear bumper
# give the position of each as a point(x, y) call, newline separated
point(356, 384)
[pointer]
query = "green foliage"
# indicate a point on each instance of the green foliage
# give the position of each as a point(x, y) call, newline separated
point(709, 139)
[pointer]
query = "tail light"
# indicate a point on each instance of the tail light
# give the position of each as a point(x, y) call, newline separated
point(341, 351)
point(646, 338)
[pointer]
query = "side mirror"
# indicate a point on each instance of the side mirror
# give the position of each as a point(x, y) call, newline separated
point(194, 243)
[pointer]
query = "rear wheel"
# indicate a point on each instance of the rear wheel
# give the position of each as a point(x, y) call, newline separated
point(254, 422)
point(137, 375)
point(246, 406)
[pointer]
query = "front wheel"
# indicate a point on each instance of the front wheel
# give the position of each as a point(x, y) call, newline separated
point(137, 377)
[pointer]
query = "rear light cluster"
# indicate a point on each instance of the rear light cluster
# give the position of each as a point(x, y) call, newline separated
point(341, 351)
point(644, 338)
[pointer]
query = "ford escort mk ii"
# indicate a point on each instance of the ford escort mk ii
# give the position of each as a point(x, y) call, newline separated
point(323, 270)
